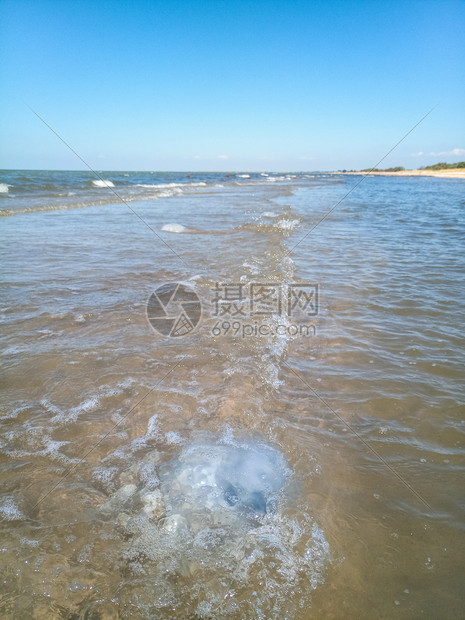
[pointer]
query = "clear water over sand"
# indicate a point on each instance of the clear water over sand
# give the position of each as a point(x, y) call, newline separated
point(223, 473)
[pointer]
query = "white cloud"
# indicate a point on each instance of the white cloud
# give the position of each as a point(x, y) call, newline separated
point(223, 156)
point(453, 152)
point(197, 157)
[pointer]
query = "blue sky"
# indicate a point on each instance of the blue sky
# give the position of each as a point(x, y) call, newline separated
point(238, 85)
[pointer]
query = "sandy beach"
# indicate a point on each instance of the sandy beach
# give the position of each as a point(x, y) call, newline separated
point(458, 173)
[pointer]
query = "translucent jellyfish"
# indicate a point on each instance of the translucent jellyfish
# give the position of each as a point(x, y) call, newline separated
point(224, 482)
point(215, 531)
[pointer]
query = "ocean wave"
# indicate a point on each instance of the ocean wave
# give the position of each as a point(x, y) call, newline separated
point(4, 188)
point(171, 185)
point(64, 197)
point(75, 205)
point(158, 185)
point(91, 201)
point(285, 225)
point(102, 183)
point(174, 228)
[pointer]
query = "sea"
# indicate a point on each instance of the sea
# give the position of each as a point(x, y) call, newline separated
point(231, 395)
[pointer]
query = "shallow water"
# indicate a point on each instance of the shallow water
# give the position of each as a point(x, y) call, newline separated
point(231, 472)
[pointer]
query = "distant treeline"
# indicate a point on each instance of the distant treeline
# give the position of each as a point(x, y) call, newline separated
point(396, 169)
point(443, 166)
point(440, 166)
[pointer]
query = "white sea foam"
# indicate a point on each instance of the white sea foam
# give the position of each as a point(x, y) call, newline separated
point(174, 228)
point(52, 450)
point(171, 437)
point(38, 443)
point(104, 477)
point(9, 415)
point(9, 511)
point(158, 185)
point(171, 185)
point(4, 188)
point(102, 183)
point(270, 214)
point(153, 432)
point(89, 404)
point(287, 224)
point(255, 269)
point(167, 193)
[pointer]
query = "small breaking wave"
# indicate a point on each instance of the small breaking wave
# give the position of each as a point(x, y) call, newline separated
point(284, 225)
point(171, 185)
point(4, 188)
point(174, 228)
point(287, 224)
point(102, 183)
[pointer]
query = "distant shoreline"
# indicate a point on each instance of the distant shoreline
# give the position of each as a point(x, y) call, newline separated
point(450, 174)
